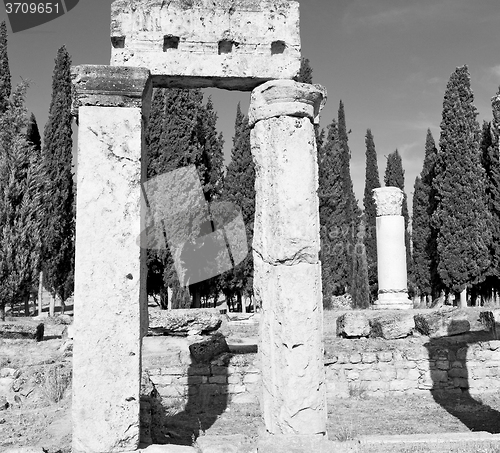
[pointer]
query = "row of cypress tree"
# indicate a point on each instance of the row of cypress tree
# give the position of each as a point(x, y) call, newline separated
point(36, 189)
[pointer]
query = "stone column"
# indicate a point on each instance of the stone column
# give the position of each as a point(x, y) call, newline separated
point(391, 250)
point(110, 304)
point(287, 271)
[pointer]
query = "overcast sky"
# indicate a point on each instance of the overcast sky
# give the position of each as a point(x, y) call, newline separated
point(388, 60)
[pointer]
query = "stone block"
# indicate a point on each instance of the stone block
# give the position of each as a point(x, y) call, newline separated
point(384, 356)
point(369, 357)
point(217, 380)
point(353, 325)
point(251, 378)
point(392, 326)
point(206, 350)
point(244, 398)
point(184, 321)
point(292, 444)
point(443, 322)
point(229, 45)
point(21, 330)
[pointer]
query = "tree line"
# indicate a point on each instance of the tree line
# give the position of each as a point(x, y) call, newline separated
point(452, 240)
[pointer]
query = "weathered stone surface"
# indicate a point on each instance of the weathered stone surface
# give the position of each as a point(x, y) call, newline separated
point(207, 349)
point(110, 280)
point(184, 321)
point(19, 330)
point(227, 44)
point(388, 200)
point(223, 444)
point(286, 97)
point(108, 86)
point(293, 444)
point(443, 322)
point(392, 326)
point(353, 325)
point(24, 450)
point(286, 230)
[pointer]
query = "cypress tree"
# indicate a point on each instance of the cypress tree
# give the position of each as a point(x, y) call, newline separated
point(461, 216)
point(423, 235)
point(372, 181)
point(335, 265)
point(360, 286)
point(239, 188)
point(394, 177)
point(5, 81)
point(58, 252)
point(21, 182)
point(305, 72)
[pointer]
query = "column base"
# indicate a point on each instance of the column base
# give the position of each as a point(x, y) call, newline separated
point(393, 301)
point(293, 443)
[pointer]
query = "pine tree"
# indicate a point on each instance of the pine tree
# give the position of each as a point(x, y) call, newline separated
point(372, 181)
point(58, 252)
point(394, 177)
point(305, 72)
point(423, 235)
point(239, 189)
point(21, 183)
point(5, 81)
point(461, 216)
point(335, 265)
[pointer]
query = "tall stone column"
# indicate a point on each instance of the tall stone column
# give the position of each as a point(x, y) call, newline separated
point(391, 250)
point(286, 243)
point(110, 269)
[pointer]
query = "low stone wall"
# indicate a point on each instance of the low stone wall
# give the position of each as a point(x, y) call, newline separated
point(415, 367)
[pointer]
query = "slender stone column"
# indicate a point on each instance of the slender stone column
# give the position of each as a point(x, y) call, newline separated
point(391, 250)
point(110, 268)
point(287, 271)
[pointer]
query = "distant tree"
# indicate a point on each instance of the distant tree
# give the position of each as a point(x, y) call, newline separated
point(21, 182)
point(394, 177)
point(33, 134)
point(461, 216)
point(372, 181)
point(305, 72)
point(58, 248)
point(360, 287)
point(5, 81)
point(335, 265)
point(181, 132)
point(423, 235)
point(489, 147)
point(239, 188)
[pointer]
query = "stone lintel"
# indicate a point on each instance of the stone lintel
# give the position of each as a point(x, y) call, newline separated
point(388, 200)
point(286, 98)
point(109, 86)
point(248, 41)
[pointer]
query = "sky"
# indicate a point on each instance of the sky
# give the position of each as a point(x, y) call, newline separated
point(387, 60)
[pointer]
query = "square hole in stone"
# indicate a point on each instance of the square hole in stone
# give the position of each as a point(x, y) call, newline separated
point(118, 42)
point(170, 42)
point(278, 47)
point(225, 46)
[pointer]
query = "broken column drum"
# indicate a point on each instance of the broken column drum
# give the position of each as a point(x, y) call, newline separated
point(391, 250)
point(286, 243)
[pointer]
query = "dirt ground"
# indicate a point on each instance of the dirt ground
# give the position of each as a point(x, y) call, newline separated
point(37, 420)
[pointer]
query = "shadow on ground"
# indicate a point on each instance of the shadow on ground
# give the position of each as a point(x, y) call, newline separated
point(453, 394)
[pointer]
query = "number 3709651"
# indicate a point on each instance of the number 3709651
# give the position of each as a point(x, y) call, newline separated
point(32, 8)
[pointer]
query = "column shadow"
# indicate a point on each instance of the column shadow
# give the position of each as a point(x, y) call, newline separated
point(179, 417)
point(451, 380)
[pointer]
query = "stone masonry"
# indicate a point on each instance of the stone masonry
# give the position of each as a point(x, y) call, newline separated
point(391, 250)
point(287, 271)
point(201, 43)
point(110, 277)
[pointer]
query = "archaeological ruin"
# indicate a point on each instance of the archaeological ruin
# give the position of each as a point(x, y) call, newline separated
point(245, 45)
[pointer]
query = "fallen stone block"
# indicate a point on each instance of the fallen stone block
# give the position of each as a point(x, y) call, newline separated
point(392, 326)
point(184, 321)
point(443, 322)
point(205, 350)
point(353, 325)
point(16, 331)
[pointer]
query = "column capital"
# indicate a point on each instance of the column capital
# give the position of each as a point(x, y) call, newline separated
point(109, 86)
point(286, 98)
point(388, 200)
